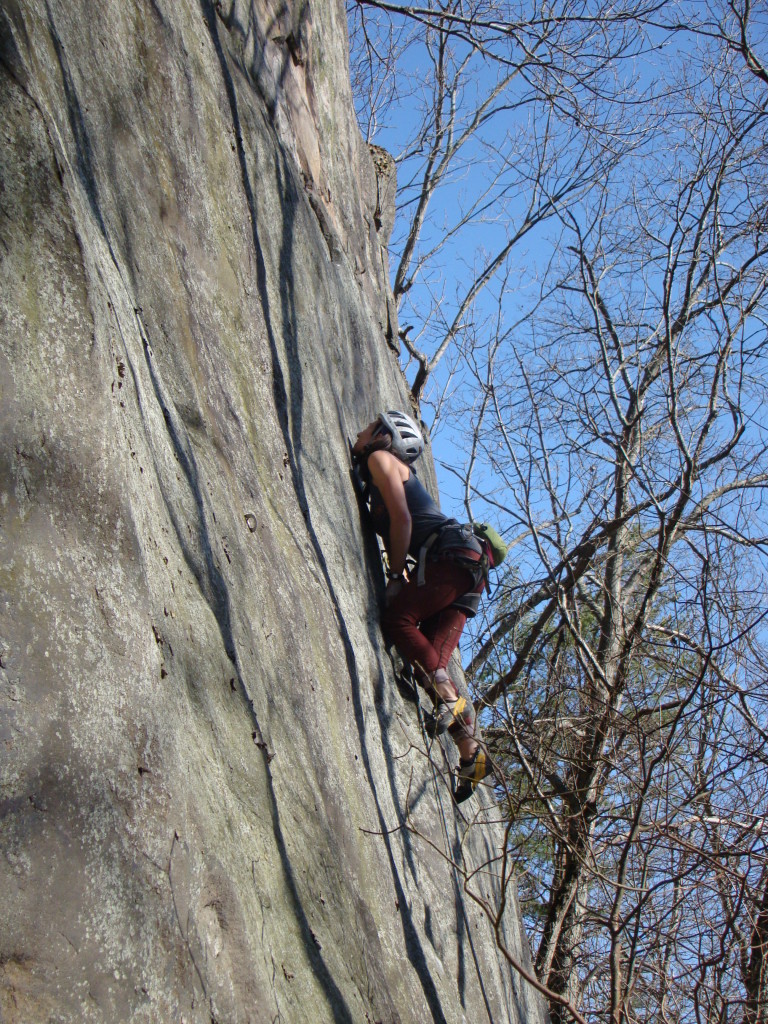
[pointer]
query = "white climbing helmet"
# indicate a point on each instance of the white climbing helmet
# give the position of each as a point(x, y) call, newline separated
point(407, 439)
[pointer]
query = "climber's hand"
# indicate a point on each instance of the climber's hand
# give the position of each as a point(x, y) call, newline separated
point(393, 589)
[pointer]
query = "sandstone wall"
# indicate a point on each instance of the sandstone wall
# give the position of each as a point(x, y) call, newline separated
point(206, 764)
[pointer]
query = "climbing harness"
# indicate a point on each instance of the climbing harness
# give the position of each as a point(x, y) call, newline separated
point(451, 542)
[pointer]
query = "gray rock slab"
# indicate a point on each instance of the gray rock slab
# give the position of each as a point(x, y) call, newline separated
point(207, 768)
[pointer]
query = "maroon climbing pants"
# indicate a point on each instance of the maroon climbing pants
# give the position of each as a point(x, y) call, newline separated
point(420, 621)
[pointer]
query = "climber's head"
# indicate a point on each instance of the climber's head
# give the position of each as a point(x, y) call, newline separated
point(393, 431)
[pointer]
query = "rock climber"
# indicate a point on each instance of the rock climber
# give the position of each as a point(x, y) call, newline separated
point(425, 611)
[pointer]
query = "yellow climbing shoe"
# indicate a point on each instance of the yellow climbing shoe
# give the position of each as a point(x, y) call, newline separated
point(470, 773)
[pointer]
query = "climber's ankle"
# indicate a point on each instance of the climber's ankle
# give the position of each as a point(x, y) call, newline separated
point(467, 746)
point(444, 685)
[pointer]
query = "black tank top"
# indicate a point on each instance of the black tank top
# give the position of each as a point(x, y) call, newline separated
point(426, 517)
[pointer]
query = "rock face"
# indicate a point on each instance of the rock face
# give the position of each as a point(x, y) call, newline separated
point(206, 764)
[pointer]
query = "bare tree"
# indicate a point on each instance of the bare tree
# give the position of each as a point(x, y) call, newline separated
point(605, 334)
point(509, 112)
point(622, 673)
